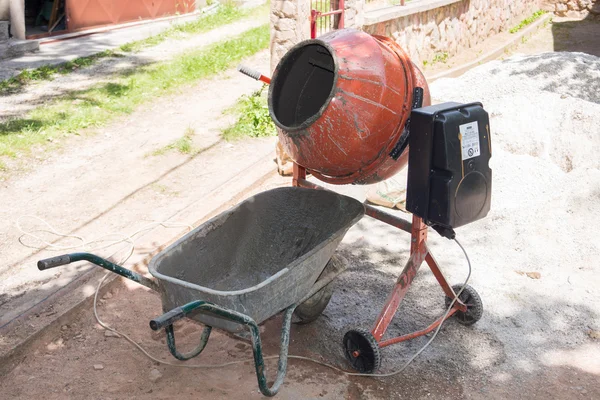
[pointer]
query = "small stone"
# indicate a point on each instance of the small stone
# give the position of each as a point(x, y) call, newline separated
point(64, 327)
point(98, 367)
point(154, 375)
point(594, 334)
point(108, 295)
point(111, 334)
point(55, 345)
point(533, 275)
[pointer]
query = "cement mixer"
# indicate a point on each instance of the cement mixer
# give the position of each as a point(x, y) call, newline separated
point(342, 103)
point(348, 106)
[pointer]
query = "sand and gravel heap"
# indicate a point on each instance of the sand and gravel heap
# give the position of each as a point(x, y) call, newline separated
point(545, 123)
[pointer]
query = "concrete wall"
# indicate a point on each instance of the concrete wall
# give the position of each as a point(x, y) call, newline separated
point(569, 8)
point(4, 10)
point(452, 25)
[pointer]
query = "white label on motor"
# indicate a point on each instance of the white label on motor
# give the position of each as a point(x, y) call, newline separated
point(470, 140)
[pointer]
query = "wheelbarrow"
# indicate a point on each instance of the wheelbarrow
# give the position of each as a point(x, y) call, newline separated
point(272, 252)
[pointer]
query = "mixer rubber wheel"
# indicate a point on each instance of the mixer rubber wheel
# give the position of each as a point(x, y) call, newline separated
point(313, 307)
point(362, 351)
point(473, 302)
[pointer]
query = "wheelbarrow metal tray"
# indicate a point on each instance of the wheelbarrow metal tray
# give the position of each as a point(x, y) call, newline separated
point(258, 258)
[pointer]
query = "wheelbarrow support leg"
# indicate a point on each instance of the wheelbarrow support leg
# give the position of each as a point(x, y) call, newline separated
point(259, 362)
point(167, 320)
point(191, 354)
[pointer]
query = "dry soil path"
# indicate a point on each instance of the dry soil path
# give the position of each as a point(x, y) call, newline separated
point(111, 182)
point(36, 94)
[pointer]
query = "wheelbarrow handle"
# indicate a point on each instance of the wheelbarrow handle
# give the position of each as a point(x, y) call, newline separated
point(54, 262)
point(167, 319)
point(99, 261)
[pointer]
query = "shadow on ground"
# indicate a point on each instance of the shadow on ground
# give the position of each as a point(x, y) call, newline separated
point(578, 35)
point(537, 351)
point(112, 67)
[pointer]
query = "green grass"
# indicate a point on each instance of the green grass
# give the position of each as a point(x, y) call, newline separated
point(253, 118)
point(527, 21)
point(224, 15)
point(47, 72)
point(437, 58)
point(98, 105)
point(183, 145)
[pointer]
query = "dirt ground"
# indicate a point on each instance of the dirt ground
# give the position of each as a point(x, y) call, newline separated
point(535, 341)
point(526, 354)
point(111, 181)
point(34, 95)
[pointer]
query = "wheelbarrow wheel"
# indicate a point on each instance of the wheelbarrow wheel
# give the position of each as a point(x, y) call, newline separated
point(362, 350)
point(473, 302)
point(313, 307)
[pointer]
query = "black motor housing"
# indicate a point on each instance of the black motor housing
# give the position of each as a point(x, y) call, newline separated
point(449, 179)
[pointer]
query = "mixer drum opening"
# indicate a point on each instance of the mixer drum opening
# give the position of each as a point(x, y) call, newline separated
point(302, 86)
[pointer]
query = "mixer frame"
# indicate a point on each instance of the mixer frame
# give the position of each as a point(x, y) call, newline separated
point(419, 253)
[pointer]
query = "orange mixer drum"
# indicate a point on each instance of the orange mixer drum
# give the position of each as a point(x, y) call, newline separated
point(342, 102)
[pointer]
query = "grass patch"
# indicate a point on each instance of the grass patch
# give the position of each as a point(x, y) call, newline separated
point(184, 144)
point(253, 117)
point(437, 58)
point(96, 106)
point(47, 72)
point(527, 21)
point(224, 15)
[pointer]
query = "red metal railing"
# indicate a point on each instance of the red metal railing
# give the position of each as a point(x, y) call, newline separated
point(325, 16)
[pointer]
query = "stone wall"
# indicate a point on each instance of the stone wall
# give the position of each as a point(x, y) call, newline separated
point(354, 13)
point(4, 10)
point(444, 31)
point(569, 8)
point(290, 24)
point(425, 28)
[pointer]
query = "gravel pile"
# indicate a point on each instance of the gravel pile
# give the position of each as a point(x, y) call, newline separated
point(545, 124)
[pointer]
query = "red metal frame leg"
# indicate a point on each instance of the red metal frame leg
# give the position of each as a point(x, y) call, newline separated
point(433, 265)
point(418, 252)
point(395, 298)
point(299, 175)
point(413, 335)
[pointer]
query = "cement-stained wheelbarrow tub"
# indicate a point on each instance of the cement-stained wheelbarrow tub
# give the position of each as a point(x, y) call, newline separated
point(233, 272)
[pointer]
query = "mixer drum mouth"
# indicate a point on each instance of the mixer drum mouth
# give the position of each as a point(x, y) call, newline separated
point(341, 103)
point(304, 86)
